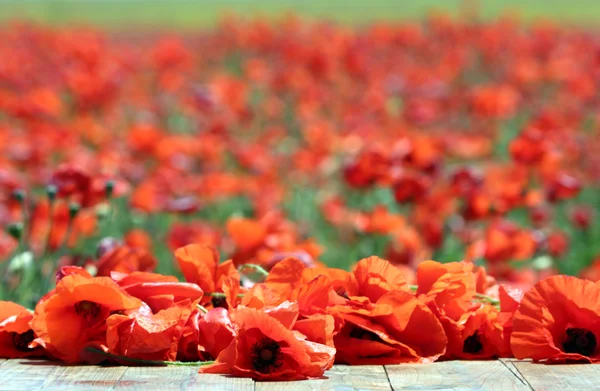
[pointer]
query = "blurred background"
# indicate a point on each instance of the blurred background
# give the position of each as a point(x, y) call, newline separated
point(324, 130)
point(187, 14)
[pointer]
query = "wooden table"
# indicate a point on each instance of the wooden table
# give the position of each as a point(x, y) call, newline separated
point(504, 374)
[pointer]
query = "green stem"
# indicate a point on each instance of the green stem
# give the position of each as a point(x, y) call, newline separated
point(259, 269)
point(487, 299)
point(49, 279)
point(477, 296)
point(26, 226)
point(201, 308)
point(220, 294)
point(149, 362)
point(51, 225)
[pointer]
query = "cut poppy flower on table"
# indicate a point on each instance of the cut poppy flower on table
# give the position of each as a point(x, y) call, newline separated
point(268, 197)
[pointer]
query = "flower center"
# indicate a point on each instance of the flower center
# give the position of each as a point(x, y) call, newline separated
point(341, 291)
point(363, 334)
point(87, 309)
point(581, 341)
point(472, 344)
point(21, 341)
point(266, 355)
point(219, 302)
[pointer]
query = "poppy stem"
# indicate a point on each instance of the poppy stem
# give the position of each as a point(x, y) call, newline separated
point(256, 272)
point(487, 299)
point(149, 362)
point(477, 296)
point(19, 195)
point(259, 269)
point(201, 308)
point(220, 294)
point(49, 234)
point(51, 191)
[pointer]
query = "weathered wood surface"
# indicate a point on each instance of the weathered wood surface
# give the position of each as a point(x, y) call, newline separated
point(560, 377)
point(339, 378)
point(505, 374)
point(454, 375)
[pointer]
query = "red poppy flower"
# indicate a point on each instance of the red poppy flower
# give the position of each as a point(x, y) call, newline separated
point(398, 328)
point(182, 234)
point(449, 287)
point(477, 335)
point(265, 349)
point(246, 234)
point(125, 259)
point(510, 298)
point(69, 270)
point(158, 291)
point(72, 182)
point(376, 277)
point(15, 333)
point(148, 336)
point(215, 332)
point(558, 320)
point(75, 314)
point(200, 265)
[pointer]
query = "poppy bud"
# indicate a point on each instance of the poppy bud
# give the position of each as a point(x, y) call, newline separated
point(563, 187)
point(74, 208)
point(581, 217)
point(15, 230)
point(109, 188)
point(51, 191)
point(18, 195)
point(539, 216)
point(557, 244)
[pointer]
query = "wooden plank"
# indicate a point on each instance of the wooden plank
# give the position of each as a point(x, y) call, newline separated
point(509, 363)
point(560, 377)
point(162, 378)
point(219, 383)
point(339, 378)
point(86, 377)
point(23, 374)
point(454, 375)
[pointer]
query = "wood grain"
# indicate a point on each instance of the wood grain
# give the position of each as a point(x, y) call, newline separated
point(454, 375)
point(339, 378)
point(509, 363)
point(89, 377)
point(23, 374)
point(158, 378)
point(560, 377)
point(506, 374)
point(219, 383)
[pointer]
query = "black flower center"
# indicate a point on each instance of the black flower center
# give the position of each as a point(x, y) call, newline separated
point(363, 334)
point(472, 344)
point(266, 355)
point(219, 302)
point(87, 309)
point(581, 341)
point(21, 341)
point(341, 291)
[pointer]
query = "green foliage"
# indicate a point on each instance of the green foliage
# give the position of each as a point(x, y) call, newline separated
point(185, 14)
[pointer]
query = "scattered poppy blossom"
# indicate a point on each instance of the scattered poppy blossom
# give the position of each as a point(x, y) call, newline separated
point(558, 321)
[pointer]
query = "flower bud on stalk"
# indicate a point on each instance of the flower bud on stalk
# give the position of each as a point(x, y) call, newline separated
point(15, 230)
point(51, 191)
point(74, 209)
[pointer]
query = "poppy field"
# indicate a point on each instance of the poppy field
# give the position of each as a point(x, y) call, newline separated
point(266, 198)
